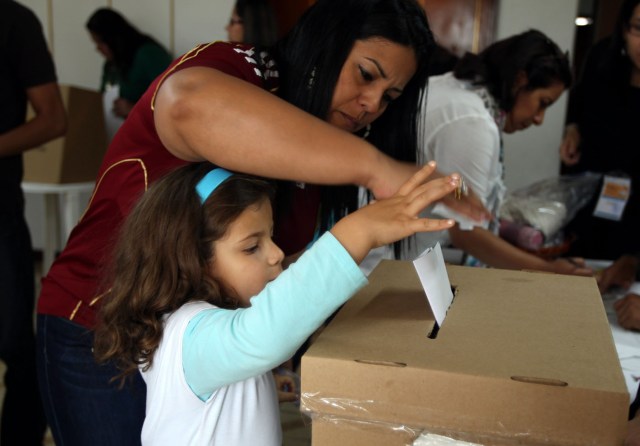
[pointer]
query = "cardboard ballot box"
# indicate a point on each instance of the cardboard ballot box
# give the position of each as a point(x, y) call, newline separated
point(522, 358)
point(76, 156)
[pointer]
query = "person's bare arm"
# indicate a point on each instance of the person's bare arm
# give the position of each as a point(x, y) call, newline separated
point(49, 121)
point(204, 114)
point(498, 253)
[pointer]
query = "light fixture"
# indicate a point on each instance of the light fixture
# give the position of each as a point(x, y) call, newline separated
point(584, 21)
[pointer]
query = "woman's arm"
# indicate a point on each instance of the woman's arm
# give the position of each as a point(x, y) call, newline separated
point(49, 122)
point(498, 253)
point(204, 114)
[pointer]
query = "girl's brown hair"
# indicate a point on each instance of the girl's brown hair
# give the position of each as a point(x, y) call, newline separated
point(161, 261)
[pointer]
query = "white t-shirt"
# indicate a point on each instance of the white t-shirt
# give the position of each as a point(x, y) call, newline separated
point(241, 413)
point(461, 135)
point(210, 382)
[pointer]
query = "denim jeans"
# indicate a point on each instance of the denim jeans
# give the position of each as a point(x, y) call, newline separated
point(83, 407)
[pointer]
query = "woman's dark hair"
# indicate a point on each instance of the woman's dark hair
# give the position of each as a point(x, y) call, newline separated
point(311, 57)
point(498, 66)
point(616, 65)
point(162, 260)
point(122, 38)
point(258, 21)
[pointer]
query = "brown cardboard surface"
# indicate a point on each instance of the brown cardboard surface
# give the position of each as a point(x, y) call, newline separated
point(521, 358)
point(76, 156)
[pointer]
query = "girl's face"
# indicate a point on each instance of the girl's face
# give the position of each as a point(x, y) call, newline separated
point(246, 258)
point(374, 74)
point(102, 47)
point(235, 28)
point(632, 40)
point(530, 105)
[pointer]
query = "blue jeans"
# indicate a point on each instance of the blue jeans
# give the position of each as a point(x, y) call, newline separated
point(83, 407)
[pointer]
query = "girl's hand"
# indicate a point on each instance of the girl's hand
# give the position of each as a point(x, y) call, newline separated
point(388, 220)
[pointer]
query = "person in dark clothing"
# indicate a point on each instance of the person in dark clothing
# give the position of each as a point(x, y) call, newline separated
point(601, 136)
point(27, 76)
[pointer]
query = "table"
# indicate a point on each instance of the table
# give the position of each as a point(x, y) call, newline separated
point(627, 345)
point(627, 342)
point(58, 221)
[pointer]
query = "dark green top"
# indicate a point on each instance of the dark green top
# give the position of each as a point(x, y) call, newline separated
point(150, 60)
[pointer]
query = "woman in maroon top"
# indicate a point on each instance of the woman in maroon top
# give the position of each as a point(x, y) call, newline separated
point(217, 103)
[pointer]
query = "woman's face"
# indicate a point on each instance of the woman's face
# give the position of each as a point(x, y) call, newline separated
point(235, 28)
point(530, 105)
point(246, 258)
point(102, 47)
point(632, 39)
point(374, 74)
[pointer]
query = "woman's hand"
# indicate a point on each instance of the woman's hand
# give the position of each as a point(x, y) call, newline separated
point(569, 153)
point(628, 311)
point(468, 204)
point(396, 174)
point(388, 220)
point(621, 273)
point(571, 265)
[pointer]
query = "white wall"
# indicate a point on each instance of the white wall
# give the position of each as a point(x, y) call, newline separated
point(532, 154)
point(177, 24)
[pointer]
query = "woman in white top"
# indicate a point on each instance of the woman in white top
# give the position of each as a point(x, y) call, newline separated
point(505, 88)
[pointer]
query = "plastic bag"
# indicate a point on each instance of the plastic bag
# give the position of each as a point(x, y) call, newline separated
point(546, 206)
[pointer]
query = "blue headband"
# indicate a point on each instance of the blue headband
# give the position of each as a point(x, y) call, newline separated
point(210, 182)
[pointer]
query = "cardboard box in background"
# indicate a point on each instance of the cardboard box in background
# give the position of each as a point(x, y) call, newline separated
point(522, 358)
point(76, 156)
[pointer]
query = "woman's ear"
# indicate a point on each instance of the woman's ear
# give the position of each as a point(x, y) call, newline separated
point(521, 81)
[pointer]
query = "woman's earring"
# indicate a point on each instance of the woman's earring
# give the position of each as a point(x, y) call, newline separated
point(312, 79)
point(367, 130)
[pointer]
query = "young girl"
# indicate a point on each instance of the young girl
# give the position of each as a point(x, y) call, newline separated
point(200, 304)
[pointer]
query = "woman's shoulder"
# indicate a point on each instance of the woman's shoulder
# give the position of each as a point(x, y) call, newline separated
point(446, 92)
point(238, 60)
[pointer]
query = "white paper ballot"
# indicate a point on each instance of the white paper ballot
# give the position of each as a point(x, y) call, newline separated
point(111, 122)
point(435, 281)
